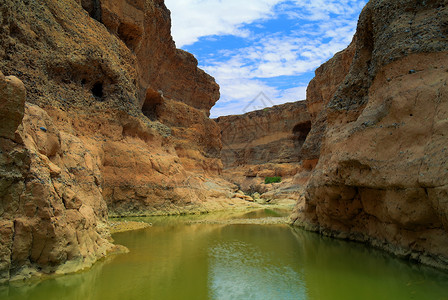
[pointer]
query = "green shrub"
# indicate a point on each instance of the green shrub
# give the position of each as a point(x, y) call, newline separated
point(274, 179)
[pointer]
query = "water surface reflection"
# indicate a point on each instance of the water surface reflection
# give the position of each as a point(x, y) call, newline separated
point(173, 260)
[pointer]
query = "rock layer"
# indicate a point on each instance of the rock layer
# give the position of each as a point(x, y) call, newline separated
point(53, 216)
point(382, 172)
point(145, 28)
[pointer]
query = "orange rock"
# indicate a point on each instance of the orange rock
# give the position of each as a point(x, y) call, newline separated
point(12, 100)
point(319, 92)
point(143, 27)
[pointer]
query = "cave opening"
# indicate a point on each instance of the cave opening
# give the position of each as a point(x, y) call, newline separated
point(301, 130)
point(152, 101)
point(97, 90)
point(93, 7)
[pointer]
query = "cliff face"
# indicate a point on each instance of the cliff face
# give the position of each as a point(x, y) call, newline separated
point(144, 26)
point(116, 123)
point(319, 92)
point(271, 135)
point(382, 172)
point(53, 216)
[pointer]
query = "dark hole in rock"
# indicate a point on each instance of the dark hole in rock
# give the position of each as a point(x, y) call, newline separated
point(93, 7)
point(14, 30)
point(152, 100)
point(301, 131)
point(97, 90)
point(83, 81)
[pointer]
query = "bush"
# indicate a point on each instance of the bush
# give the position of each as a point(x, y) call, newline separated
point(272, 179)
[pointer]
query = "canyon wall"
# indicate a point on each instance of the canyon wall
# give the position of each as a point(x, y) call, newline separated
point(53, 216)
point(270, 135)
point(267, 143)
point(382, 171)
point(115, 122)
point(145, 28)
point(319, 92)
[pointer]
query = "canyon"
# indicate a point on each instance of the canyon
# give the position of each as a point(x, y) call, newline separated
point(103, 117)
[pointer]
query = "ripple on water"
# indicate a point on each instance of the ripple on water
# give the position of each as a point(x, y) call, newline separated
point(239, 270)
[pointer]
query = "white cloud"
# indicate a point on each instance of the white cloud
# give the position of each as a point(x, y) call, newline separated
point(292, 94)
point(241, 96)
point(320, 29)
point(321, 10)
point(192, 19)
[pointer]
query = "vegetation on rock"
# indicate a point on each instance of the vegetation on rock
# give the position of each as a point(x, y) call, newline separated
point(274, 179)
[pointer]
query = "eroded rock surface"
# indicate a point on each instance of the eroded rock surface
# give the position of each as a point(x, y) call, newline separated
point(270, 135)
point(116, 123)
point(382, 171)
point(12, 105)
point(145, 28)
point(53, 216)
point(319, 92)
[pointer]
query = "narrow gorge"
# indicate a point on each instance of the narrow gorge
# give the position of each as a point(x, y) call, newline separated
point(102, 116)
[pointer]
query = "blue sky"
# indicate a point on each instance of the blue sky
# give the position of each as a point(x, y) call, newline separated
point(262, 46)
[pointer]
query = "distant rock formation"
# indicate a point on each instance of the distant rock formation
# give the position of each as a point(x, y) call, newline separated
point(382, 175)
point(267, 143)
point(270, 135)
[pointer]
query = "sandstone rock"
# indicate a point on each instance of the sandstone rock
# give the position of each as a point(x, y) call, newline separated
point(239, 194)
point(42, 232)
point(271, 135)
point(143, 27)
point(12, 100)
point(248, 198)
point(260, 201)
point(327, 80)
point(264, 143)
point(381, 176)
point(319, 92)
point(6, 238)
point(117, 124)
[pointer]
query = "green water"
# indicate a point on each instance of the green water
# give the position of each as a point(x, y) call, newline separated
point(174, 260)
